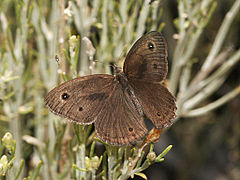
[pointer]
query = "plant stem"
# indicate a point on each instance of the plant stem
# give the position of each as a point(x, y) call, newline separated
point(213, 105)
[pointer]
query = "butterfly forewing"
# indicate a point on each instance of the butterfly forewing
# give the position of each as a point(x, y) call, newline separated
point(147, 59)
point(80, 100)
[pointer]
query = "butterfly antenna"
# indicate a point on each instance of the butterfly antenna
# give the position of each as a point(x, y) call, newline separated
point(113, 67)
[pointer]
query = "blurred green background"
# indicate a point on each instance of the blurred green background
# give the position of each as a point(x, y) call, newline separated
point(42, 44)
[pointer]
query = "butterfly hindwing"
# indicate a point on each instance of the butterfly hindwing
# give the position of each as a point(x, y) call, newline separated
point(158, 104)
point(119, 121)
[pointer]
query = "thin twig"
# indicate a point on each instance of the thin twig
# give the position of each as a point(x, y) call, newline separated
point(222, 34)
point(213, 105)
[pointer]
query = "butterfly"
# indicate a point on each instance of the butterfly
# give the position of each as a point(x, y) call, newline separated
point(117, 104)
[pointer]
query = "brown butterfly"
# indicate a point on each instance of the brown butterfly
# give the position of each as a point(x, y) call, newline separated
point(117, 104)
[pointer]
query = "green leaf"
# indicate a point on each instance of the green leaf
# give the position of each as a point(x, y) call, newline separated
point(67, 56)
point(159, 160)
point(36, 173)
point(92, 149)
point(78, 168)
point(141, 175)
point(160, 156)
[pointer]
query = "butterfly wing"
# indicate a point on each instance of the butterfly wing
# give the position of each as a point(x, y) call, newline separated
point(158, 104)
point(147, 59)
point(81, 99)
point(120, 122)
point(100, 99)
point(145, 67)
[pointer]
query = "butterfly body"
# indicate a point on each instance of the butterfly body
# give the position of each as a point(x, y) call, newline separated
point(116, 104)
point(127, 88)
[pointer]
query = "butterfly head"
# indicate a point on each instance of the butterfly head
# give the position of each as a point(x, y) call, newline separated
point(117, 70)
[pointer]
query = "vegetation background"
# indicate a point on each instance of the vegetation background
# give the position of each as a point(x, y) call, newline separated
point(45, 42)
